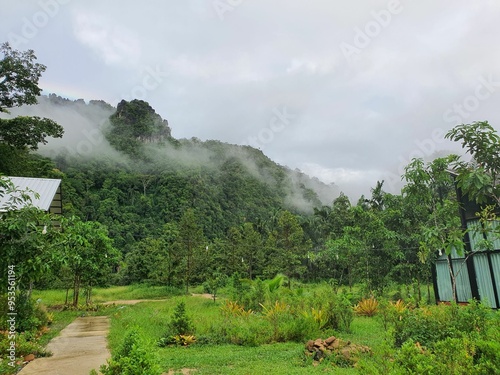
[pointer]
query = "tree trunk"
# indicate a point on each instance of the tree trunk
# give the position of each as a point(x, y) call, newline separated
point(428, 293)
point(453, 280)
point(88, 296)
point(76, 290)
point(188, 270)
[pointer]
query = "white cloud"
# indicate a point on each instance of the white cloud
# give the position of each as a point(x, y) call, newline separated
point(352, 181)
point(114, 44)
point(355, 120)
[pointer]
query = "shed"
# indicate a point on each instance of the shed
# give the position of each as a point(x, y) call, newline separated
point(49, 193)
point(477, 272)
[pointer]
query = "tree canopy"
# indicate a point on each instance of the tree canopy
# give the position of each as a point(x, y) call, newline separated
point(19, 75)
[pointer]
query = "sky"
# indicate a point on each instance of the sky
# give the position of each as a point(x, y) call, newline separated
point(348, 92)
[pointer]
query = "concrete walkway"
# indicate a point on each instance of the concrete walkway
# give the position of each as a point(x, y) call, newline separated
point(79, 348)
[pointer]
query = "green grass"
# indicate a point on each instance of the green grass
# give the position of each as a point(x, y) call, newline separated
point(50, 297)
point(157, 314)
point(99, 295)
point(279, 358)
point(150, 320)
point(276, 359)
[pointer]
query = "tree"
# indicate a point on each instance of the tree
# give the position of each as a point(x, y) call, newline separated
point(342, 255)
point(26, 237)
point(403, 215)
point(252, 254)
point(432, 187)
point(287, 247)
point(480, 177)
point(233, 251)
point(366, 249)
point(88, 252)
point(19, 75)
point(28, 132)
point(191, 241)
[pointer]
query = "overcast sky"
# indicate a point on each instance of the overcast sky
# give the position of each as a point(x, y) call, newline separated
point(345, 91)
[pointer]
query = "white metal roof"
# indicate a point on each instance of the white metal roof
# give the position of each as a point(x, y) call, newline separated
point(46, 188)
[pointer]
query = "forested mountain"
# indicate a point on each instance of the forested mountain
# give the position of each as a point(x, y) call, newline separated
point(122, 167)
point(184, 211)
point(148, 178)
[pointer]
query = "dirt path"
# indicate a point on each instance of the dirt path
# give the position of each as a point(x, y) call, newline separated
point(130, 301)
point(204, 295)
point(79, 348)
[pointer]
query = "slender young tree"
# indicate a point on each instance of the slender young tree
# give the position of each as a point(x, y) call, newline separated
point(288, 247)
point(88, 253)
point(252, 250)
point(191, 243)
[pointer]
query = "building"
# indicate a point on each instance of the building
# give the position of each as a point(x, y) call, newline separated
point(477, 272)
point(47, 198)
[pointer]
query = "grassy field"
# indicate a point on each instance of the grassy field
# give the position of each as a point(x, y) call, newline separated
point(99, 295)
point(272, 338)
point(150, 320)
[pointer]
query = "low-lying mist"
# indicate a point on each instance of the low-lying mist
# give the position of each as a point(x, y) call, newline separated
point(87, 126)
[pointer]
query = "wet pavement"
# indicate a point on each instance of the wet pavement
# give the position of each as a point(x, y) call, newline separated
point(79, 348)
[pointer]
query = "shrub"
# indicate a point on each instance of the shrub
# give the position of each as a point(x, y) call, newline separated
point(256, 296)
point(297, 329)
point(319, 316)
point(133, 358)
point(471, 318)
point(31, 316)
point(237, 289)
point(247, 330)
point(276, 314)
point(180, 325)
point(424, 325)
point(25, 344)
point(287, 325)
point(231, 308)
point(340, 313)
point(367, 306)
point(391, 312)
point(454, 356)
point(413, 359)
point(428, 325)
point(487, 357)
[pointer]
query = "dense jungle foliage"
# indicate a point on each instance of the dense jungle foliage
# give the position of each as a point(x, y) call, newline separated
point(236, 209)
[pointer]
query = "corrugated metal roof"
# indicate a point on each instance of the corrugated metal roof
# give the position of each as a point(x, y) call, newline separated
point(46, 188)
